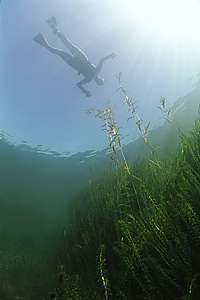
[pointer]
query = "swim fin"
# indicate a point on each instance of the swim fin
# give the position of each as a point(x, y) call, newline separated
point(39, 38)
point(52, 23)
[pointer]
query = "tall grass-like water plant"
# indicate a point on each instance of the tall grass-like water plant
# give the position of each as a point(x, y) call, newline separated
point(122, 250)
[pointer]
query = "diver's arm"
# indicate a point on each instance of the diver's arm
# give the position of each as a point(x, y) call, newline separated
point(102, 61)
point(80, 85)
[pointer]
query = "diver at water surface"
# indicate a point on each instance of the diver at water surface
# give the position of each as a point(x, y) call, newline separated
point(77, 59)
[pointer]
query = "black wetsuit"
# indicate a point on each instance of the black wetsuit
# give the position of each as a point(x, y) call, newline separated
point(78, 60)
point(81, 65)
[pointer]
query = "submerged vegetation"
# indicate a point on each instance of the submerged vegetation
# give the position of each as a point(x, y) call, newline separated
point(133, 234)
point(136, 234)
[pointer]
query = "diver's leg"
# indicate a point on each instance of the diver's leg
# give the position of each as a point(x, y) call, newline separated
point(43, 42)
point(74, 49)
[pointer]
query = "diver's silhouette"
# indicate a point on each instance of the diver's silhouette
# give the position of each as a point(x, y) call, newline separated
point(77, 59)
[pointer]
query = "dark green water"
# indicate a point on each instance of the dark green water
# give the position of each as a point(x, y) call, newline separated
point(35, 190)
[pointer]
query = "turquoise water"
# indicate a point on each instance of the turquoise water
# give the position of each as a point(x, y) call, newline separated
point(35, 190)
point(51, 149)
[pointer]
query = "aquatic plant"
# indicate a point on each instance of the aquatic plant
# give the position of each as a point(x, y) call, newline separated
point(132, 109)
point(151, 252)
point(112, 130)
point(102, 273)
point(165, 110)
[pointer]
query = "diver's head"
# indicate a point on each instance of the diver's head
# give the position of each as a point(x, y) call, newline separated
point(99, 80)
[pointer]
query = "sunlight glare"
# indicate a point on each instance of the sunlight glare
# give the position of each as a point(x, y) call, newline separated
point(168, 18)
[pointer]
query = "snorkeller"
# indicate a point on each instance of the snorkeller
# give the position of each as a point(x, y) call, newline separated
point(77, 59)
